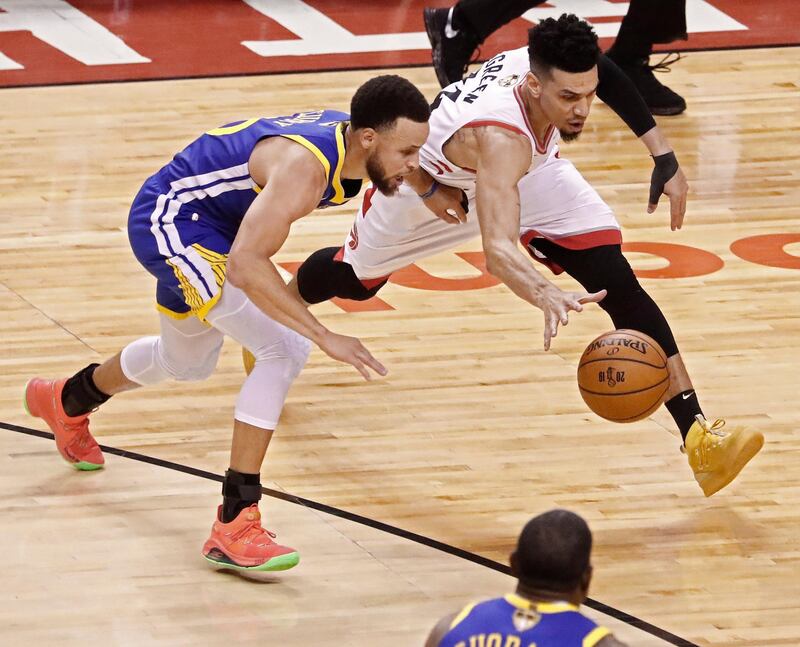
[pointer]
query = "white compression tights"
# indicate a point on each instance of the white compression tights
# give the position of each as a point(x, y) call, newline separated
point(187, 349)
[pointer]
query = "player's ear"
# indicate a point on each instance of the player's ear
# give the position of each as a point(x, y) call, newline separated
point(534, 85)
point(368, 137)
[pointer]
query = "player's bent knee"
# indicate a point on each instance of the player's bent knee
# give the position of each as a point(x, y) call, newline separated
point(322, 277)
point(192, 367)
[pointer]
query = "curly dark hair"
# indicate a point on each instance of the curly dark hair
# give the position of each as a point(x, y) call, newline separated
point(554, 551)
point(568, 44)
point(381, 101)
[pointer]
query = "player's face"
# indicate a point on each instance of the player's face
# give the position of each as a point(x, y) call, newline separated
point(565, 99)
point(395, 154)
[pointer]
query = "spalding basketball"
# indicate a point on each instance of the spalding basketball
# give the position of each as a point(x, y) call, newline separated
point(623, 375)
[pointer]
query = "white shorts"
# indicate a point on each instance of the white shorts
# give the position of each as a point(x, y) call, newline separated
point(557, 203)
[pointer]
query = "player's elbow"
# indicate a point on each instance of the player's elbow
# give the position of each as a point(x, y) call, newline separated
point(238, 270)
point(496, 254)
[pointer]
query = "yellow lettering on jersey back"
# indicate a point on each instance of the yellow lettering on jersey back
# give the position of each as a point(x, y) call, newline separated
point(514, 641)
point(477, 641)
point(229, 130)
point(494, 640)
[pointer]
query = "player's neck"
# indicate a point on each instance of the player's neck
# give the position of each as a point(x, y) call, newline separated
point(543, 595)
point(539, 122)
point(354, 166)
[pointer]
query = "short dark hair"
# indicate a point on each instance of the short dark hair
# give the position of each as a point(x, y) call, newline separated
point(382, 100)
point(568, 44)
point(553, 551)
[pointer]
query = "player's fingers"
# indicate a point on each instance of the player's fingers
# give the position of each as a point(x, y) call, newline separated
point(460, 213)
point(651, 207)
point(448, 218)
point(359, 366)
point(593, 297)
point(453, 215)
point(373, 363)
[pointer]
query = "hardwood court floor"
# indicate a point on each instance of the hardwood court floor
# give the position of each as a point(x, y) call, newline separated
point(475, 429)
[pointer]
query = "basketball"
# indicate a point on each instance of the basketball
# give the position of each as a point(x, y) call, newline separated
point(623, 375)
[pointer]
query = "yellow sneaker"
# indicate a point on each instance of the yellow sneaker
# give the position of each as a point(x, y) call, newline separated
point(717, 456)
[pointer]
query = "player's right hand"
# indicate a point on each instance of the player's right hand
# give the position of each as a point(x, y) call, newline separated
point(449, 203)
point(556, 305)
point(352, 351)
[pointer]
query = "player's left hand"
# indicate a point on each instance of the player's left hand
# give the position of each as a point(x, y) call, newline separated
point(449, 203)
point(668, 178)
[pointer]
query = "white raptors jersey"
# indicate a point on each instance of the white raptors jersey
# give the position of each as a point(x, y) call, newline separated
point(489, 97)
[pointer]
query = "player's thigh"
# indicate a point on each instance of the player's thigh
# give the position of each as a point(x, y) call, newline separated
point(556, 201)
point(391, 232)
point(236, 316)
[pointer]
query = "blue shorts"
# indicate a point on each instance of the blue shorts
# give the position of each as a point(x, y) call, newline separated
point(177, 243)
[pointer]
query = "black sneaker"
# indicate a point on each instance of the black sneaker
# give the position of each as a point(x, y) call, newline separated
point(451, 56)
point(658, 97)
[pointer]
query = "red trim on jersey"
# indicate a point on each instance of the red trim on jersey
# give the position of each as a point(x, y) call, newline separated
point(446, 167)
point(439, 169)
point(366, 203)
point(373, 283)
point(586, 240)
point(492, 122)
point(539, 148)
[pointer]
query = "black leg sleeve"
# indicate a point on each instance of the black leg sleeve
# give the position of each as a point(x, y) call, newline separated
point(620, 94)
point(484, 17)
point(605, 268)
point(648, 22)
point(322, 277)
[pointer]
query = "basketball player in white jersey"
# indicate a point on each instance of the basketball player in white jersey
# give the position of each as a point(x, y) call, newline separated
point(494, 136)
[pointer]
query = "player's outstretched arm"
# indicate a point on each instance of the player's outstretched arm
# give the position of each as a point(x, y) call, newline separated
point(667, 177)
point(620, 94)
point(503, 158)
point(292, 189)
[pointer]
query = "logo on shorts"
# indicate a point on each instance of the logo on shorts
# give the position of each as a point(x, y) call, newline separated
point(509, 80)
point(353, 242)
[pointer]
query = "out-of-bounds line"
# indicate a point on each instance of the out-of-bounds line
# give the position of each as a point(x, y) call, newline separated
point(617, 614)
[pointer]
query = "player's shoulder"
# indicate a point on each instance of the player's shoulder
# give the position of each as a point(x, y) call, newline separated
point(610, 640)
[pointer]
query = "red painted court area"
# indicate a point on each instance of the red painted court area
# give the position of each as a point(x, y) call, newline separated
point(55, 41)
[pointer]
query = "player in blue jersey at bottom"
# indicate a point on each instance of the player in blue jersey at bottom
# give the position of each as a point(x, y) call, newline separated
point(553, 568)
point(206, 226)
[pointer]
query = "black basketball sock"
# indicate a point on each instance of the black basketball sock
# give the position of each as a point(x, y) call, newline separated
point(239, 491)
point(683, 408)
point(80, 394)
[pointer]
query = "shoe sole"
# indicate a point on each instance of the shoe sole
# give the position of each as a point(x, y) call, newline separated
point(279, 563)
point(435, 40)
point(81, 466)
point(667, 112)
point(749, 450)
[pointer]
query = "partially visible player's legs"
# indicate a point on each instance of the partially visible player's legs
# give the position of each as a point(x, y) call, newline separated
point(237, 538)
point(185, 350)
point(559, 205)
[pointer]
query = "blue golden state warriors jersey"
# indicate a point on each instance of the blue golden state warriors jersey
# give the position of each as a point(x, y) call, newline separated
point(184, 219)
point(212, 172)
point(513, 621)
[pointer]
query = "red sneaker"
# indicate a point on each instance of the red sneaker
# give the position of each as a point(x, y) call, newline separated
point(73, 439)
point(244, 545)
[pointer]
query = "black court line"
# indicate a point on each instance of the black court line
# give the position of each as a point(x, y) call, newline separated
point(622, 616)
point(401, 66)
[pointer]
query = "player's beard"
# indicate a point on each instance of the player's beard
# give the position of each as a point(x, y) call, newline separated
point(568, 136)
point(377, 175)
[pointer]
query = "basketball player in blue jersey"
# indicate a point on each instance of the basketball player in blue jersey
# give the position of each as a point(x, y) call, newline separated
point(206, 226)
point(553, 568)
